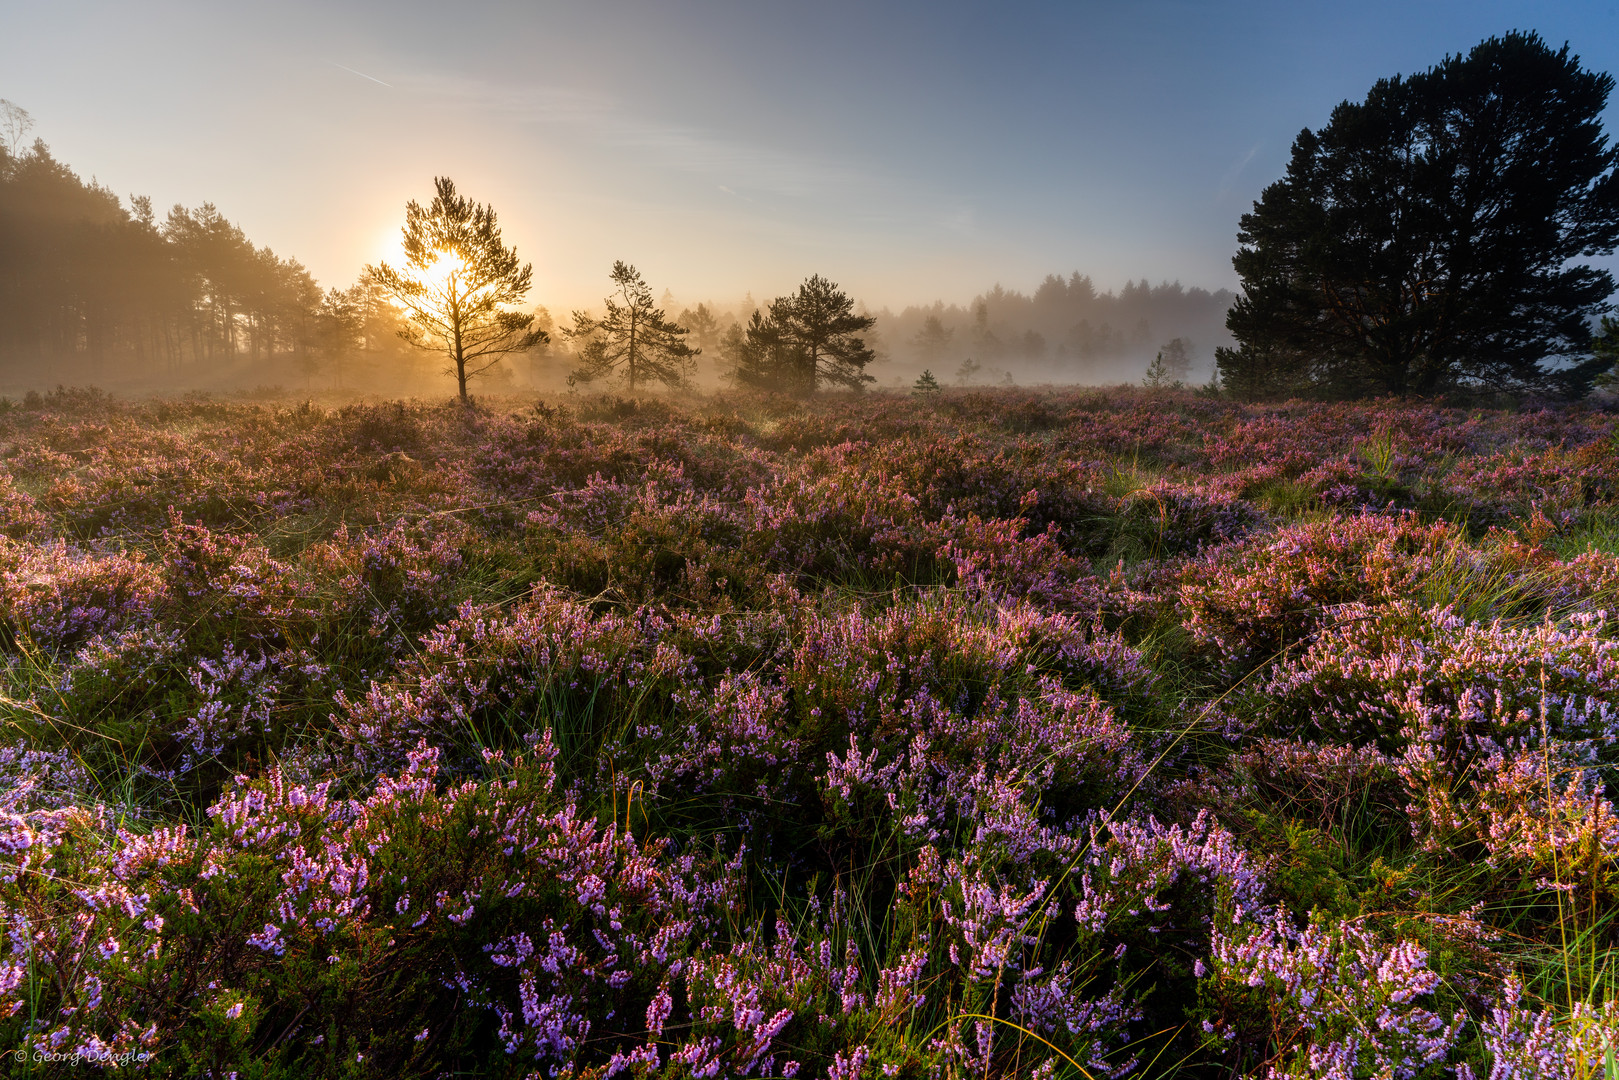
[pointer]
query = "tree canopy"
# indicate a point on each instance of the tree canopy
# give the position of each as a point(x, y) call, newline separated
point(103, 285)
point(932, 341)
point(809, 339)
point(758, 353)
point(1428, 237)
point(456, 284)
point(635, 338)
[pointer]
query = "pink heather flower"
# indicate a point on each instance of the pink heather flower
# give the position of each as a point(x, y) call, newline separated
point(657, 1011)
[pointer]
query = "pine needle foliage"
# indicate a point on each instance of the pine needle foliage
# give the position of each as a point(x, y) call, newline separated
point(457, 283)
point(1428, 238)
point(634, 341)
point(810, 339)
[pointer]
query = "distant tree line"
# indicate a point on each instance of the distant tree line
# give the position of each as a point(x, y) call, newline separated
point(86, 277)
point(1066, 330)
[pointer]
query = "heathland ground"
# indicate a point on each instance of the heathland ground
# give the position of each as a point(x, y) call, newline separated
point(1033, 733)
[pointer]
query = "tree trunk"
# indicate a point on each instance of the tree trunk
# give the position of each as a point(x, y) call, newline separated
point(460, 368)
point(632, 354)
point(460, 353)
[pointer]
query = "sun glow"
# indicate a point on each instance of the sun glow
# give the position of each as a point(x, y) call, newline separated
point(436, 275)
point(446, 265)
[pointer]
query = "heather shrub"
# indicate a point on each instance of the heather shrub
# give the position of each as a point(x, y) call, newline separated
point(1350, 1003)
point(19, 517)
point(1386, 675)
point(1546, 814)
point(433, 891)
point(997, 559)
point(224, 585)
point(1247, 601)
point(647, 546)
point(1014, 733)
point(33, 780)
point(115, 681)
point(1161, 520)
point(1523, 1041)
point(1317, 782)
point(492, 679)
point(394, 427)
point(402, 581)
point(829, 524)
point(53, 598)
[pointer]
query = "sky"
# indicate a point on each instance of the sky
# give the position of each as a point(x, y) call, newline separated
point(909, 151)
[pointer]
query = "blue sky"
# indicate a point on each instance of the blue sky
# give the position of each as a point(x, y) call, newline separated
point(910, 151)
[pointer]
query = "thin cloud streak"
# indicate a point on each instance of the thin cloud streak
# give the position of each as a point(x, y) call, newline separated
point(1229, 180)
point(361, 74)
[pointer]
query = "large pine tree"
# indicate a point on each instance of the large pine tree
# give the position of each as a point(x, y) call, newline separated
point(457, 284)
point(1428, 238)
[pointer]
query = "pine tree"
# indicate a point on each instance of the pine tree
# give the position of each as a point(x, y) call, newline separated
point(705, 329)
point(455, 286)
point(339, 324)
point(1177, 354)
point(758, 354)
point(1605, 350)
point(634, 339)
point(1157, 373)
point(933, 340)
point(821, 338)
point(702, 325)
point(1428, 237)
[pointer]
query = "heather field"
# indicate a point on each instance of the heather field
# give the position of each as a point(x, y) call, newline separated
point(1037, 734)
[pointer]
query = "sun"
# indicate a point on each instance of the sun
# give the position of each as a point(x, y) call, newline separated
point(437, 273)
point(446, 265)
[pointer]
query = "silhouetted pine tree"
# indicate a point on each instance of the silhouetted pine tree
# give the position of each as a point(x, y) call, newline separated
point(821, 342)
point(1426, 238)
point(458, 280)
point(634, 339)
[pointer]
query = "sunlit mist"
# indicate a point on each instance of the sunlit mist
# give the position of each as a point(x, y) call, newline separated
point(933, 161)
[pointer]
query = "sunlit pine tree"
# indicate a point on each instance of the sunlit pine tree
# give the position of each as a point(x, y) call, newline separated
point(456, 286)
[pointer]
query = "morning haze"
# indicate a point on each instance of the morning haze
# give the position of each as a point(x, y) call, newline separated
point(1056, 185)
point(809, 541)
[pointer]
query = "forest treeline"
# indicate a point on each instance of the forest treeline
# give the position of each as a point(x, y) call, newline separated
point(94, 288)
point(102, 289)
point(1067, 330)
point(1425, 241)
